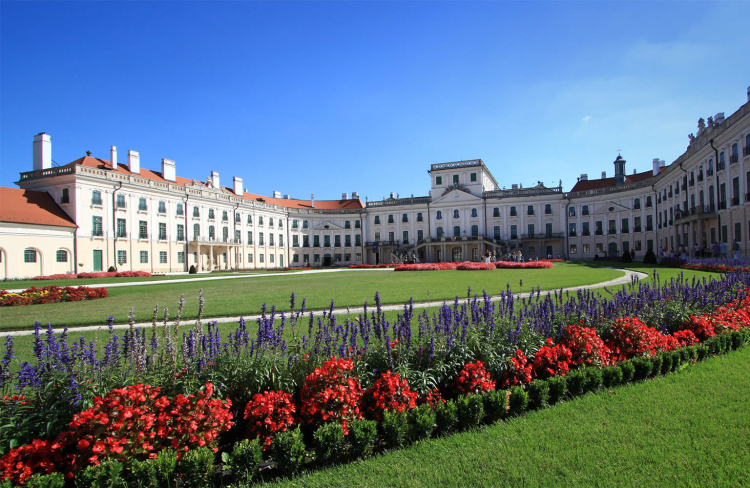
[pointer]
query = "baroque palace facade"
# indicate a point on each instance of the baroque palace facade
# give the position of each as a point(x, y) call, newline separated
point(92, 214)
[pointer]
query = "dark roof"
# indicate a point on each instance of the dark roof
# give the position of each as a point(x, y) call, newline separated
point(31, 207)
point(610, 182)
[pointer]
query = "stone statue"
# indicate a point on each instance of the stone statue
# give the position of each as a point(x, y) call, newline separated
point(710, 124)
point(691, 137)
point(209, 182)
point(701, 125)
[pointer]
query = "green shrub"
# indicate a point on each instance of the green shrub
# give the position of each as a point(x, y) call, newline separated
point(611, 376)
point(111, 269)
point(363, 435)
point(643, 367)
point(736, 339)
point(628, 371)
point(726, 343)
point(192, 269)
point(155, 473)
point(656, 362)
point(421, 422)
point(692, 352)
point(626, 258)
point(330, 442)
point(495, 404)
point(288, 451)
point(557, 387)
point(196, 468)
point(393, 428)
point(650, 257)
point(593, 379)
point(470, 411)
point(6, 483)
point(702, 351)
point(666, 362)
point(445, 417)
point(107, 474)
point(52, 480)
point(538, 394)
point(685, 355)
point(245, 458)
point(576, 381)
point(676, 360)
point(519, 400)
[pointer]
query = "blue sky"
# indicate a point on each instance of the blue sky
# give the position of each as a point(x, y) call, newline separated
point(336, 97)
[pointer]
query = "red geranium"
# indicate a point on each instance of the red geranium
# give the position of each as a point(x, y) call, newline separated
point(331, 394)
point(269, 413)
point(518, 372)
point(587, 347)
point(389, 392)
point(552, 360)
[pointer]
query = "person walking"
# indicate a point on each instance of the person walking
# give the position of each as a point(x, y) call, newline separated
point(736, 250)
point(715, 250)
point(723, 249)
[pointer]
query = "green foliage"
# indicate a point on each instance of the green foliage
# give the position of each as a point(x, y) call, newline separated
point(685, 354)
point(557, 386)
point(421, 422)
point(519, 400)
point(52, 480)
point(330, 442)
point(445, 417)
point(736, 339)
point(244, 460)
point(111, 269)
point(626, 258)
point(538, 394)
point(196, 468)
point(666, 362)
point(611, 376)
point(656, 362)
point(650, 257)
point(288, 451)
point(701, 352)
point(470, 411)
point(495, 404)
point(393, 428)
point(155, 473)
point(593, 379)
point(676, 360)
point(6, 483)
point(192, 269)
point(628, 371)
point(576, 381)
point(363, 435)
point(107, 474)
point(643, 367)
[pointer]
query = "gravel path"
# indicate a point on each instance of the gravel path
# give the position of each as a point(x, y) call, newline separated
point(623, 280)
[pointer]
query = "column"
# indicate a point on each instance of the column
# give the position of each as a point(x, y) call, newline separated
point(691, 238)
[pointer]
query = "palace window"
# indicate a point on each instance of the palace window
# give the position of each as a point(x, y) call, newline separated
point(162, 207)
point(377, 219)
point(62, 256)
point(162, 231)
point(180, 232)
point(196, 212)
point(142, 229)
point(142, 204)
point(120, 201)
point(29, 256)
point(180, 209)
point(455, 214)
point(122, 256)
point(211, 215)
point(96, 197)
point(65, 198)
point(439, 215)
point(438, 180)
point(473, 212)
point(97, 227)
point(162, 257)
point(144, 257)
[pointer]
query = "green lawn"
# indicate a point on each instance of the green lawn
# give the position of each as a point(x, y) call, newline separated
point(691, 428)
point(245, 296)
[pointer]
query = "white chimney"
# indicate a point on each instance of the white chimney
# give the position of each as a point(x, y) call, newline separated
point(42, 151)
point(355, 195)
point(168, 171)
point(312, 200)
point(287, 197)
point(215, 179)
point(345, 196)
point(584, 177)
point(719, 118)
point(393, 195)
point(604, 174)
point(237, 183)
point(113, 157)
point(277, 194)
point(134, 162)
point(656, 166)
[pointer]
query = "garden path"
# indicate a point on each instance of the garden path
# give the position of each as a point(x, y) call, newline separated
point(628, 276)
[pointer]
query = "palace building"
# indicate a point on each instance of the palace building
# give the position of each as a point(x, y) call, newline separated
point(93, 214)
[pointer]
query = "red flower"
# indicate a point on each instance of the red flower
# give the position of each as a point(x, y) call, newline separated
point(330, 393)
point(472, 379)
point(269, 413)
point(389, 392)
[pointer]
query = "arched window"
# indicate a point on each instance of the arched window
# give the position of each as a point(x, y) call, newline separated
point(637, 203)
point(692, 201)
point(457, 257)
point(456, 231)
point(211, 214)
point(473, 212)
point(475, 230)
point(249, 219)
point(701, 199)
point(440, 232)
point(475, 255)
point(711, 196)
point(260, 220)
point(29, 256)
point(270, 221)
point(62, 256)
point(455, 214)
point(710, 164)
point(439, 215)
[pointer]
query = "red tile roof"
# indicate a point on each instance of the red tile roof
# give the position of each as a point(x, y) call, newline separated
point(609, 182)
point(283, 202)
point(31, 207)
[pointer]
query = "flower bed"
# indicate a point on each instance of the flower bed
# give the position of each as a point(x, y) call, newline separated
point(525, 265)
point(368, 266)
point(50, 294)
point(465, 265)
point(98, 274)
point(297, 380)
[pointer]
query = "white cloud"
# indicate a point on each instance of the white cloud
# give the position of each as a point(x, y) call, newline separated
point(586, 119)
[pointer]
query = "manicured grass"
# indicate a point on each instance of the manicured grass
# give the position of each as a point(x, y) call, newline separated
point(245, 296)
point(691, 428)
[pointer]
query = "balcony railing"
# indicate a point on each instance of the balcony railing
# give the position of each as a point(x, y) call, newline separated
point(700, 177)
point(637, 207)
point(735, 201)
point(121, 234)
point(216, 240)
point(572, 233)
point(586, 233)
point(649, 228)
point(722, 205)
point(97, 233)
point(721, 166)
point(598, 232)
point(636, 228)
point(96, 201)
point(709, 172)
point(734, 158)
point(625, 230)
point(143, 235)
point(388, 243)
point(612, 232)
point(746, 151)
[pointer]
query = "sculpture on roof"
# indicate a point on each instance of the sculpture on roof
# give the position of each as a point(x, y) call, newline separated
point(209, 182)
point(710, 124)
point(701, 125)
